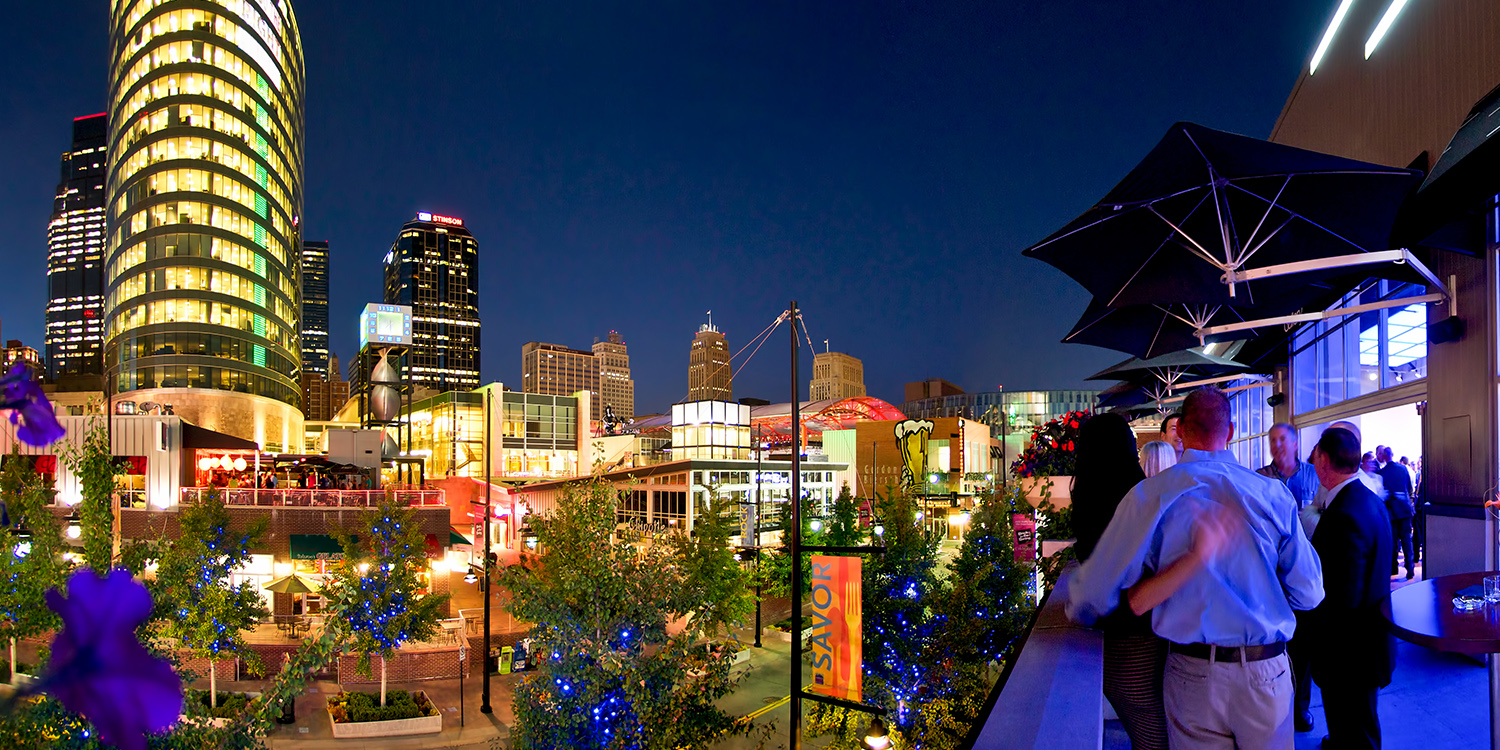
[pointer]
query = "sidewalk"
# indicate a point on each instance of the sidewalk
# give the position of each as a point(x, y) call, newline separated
point(313, 729)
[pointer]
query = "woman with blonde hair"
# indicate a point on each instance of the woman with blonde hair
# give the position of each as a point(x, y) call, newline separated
point(1156, 456)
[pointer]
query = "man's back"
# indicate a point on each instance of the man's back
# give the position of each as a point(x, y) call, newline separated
point(1354, 543)
point(1244, 598)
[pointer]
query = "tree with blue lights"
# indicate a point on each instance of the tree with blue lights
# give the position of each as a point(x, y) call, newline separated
point(611, 674)
point(377, 587)
point(990, 604)
point(194, 600)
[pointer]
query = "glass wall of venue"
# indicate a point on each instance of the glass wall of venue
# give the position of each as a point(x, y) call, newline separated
point(1344, 358)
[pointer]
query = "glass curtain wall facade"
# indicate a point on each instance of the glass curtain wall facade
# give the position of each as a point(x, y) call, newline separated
point(204, 197)
point(1336, 360)
point(434, 268)
point(75, 255)
point(1252, 417)
point(315, 308)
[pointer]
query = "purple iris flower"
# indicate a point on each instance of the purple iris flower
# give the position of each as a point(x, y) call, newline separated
point(100, 669)
point(29, 408)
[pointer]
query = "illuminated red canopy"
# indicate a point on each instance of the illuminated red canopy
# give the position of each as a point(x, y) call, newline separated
point(773, 423)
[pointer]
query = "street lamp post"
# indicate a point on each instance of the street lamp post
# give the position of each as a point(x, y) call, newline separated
point(760, 448)
point(484, 701)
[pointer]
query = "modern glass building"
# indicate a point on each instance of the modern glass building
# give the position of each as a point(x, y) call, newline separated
point(203, 281)
point(531, 435)
point(315, 307)
point(433, 267)
point(75, 255)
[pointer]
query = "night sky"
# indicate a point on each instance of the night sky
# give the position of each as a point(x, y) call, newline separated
point(631, 166)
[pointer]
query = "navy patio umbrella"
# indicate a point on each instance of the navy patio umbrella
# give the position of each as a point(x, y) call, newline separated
point(1205, 206)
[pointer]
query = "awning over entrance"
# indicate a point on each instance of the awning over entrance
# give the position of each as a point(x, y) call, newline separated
point(315, 547)
point(455, 537)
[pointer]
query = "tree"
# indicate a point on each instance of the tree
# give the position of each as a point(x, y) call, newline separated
point(843, 527)
point(30, 555)
point(194, 600)
point(776, 568)
point(989, 606)
point(612, 675)
point(92, 461)
point(712, 575)
point(377, 589)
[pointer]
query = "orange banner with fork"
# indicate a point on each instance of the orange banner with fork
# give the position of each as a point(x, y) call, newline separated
point(836, 645)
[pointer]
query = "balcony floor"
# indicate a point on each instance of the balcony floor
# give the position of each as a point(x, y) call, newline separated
point(1435, 699)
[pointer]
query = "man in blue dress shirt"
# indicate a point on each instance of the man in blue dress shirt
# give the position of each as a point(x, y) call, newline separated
point(1302, 481)
point(1227, 612)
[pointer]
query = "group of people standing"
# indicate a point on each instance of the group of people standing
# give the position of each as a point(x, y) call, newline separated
point(1221, 590)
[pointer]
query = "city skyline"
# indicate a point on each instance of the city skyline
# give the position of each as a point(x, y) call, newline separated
point(719, 193)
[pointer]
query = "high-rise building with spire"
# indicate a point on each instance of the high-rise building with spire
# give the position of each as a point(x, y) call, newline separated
point(836, 376)
point(710, 376)
point(75, 257)
point(203, 258)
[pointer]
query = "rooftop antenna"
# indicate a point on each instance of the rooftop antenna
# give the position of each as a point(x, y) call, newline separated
point(825, 346)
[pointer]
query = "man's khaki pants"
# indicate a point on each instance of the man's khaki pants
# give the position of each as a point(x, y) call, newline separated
point(1228, 705)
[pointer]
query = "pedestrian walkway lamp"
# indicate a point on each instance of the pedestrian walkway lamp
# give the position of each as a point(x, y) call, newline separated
point(877, 738)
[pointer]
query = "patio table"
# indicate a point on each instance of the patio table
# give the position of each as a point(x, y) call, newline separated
point(1423, 613)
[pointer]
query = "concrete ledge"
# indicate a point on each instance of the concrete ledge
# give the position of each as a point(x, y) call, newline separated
point(1051, 696)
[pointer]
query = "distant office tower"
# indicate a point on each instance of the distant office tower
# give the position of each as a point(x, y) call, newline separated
point(558, 371)
point(434, 268)
point(315, 308)
point(616, 389)
point(836, 376)
point(710, 376)
point(75, 255)
point(17, 353)
point(202, 296)
point(322, 396)
point(931, 388)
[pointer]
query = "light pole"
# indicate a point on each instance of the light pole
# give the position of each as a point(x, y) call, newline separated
point(484, 701)
point(760, 448)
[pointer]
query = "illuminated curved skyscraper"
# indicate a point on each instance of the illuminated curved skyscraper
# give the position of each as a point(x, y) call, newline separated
point(203, 259)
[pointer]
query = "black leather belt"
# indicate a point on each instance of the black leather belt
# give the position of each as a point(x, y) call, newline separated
point(1229, 653)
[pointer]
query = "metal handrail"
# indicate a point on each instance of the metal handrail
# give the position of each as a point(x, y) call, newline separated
point(293, 498)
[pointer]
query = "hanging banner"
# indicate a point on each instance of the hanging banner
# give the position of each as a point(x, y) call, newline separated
point(836, 623)
point(1025, 526)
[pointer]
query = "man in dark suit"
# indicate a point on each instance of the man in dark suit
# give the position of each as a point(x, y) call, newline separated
point(1398, 502)
point(1356, 653)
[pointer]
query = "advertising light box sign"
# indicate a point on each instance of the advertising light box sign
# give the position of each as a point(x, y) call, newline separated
point(385, 325)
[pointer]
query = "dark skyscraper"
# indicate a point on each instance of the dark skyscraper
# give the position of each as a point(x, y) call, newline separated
point(75, 255)
point(315, 307)
point(434, 268)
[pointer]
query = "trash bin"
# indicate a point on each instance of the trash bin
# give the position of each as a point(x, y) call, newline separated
point(507, 656)
point(288, 711)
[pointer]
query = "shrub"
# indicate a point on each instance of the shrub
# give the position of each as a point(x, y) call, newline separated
point(362, 707)
point(1050, 450)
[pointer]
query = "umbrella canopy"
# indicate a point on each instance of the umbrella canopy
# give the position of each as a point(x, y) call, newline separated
point(1175, 363)
point(1125, 394)
point(292, 584)
point(1205, 203)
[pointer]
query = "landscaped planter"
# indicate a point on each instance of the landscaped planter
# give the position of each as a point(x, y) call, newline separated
point(1062, 487)
point(1051, 547)
point(389, 728)
point(786, 635)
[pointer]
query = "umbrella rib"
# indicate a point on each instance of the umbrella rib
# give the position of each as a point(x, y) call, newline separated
point(1296, 215)
point(1206, 255)
point(1269, 208)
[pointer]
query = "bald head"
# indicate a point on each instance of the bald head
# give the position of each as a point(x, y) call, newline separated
point(1351, 427)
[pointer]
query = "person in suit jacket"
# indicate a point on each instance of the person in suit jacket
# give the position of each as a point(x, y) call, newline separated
point(1356, 654)
point(1398, 502)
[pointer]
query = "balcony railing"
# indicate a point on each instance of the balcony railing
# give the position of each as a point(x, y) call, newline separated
point(299, 498)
